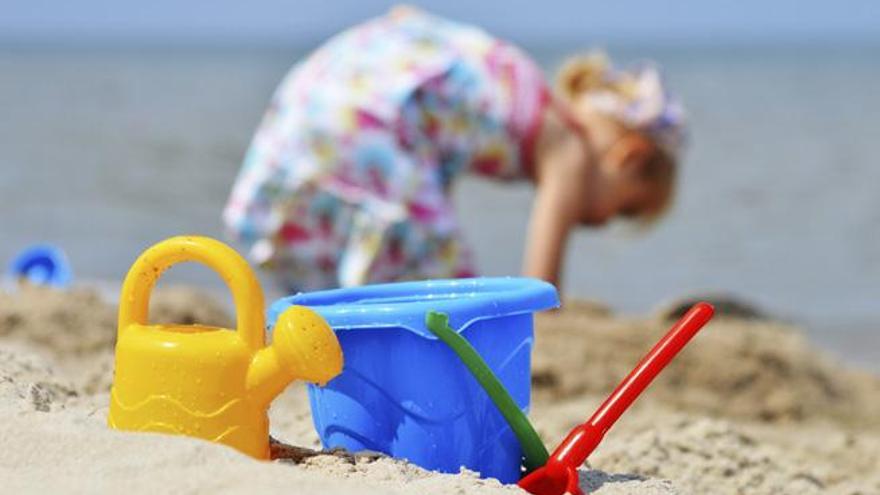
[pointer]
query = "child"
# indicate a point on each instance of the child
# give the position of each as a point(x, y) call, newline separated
point(347, 179)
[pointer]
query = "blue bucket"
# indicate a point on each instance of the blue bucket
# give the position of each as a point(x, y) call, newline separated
point(405, 393)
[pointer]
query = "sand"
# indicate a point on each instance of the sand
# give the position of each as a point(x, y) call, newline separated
point(750, 407)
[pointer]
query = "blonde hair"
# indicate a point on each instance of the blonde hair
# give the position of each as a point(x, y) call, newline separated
point(636, 100)
point(582, 73)
point(661, 172)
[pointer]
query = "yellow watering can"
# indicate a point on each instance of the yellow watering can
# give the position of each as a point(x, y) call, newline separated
point(207, 382)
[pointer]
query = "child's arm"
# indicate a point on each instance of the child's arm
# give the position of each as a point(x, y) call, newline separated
point(545, 244)
point(560, 177)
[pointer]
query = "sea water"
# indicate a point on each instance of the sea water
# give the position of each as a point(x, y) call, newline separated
point(106, 149)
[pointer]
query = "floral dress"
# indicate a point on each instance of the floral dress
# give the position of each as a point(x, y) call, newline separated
point(346, 181)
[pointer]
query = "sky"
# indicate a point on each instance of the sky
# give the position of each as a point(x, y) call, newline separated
point(293, 21)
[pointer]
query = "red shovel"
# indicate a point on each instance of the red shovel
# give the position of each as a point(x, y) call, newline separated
point(560, 474)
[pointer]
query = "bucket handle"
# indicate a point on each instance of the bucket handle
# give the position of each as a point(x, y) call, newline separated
point(535, 454)
point(134, 301)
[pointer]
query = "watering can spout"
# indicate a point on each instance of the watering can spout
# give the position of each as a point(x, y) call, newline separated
point(303, 347)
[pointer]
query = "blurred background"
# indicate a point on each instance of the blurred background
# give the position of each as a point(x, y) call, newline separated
point(123, 123)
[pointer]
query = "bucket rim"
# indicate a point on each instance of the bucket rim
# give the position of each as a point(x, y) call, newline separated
point(405, 304)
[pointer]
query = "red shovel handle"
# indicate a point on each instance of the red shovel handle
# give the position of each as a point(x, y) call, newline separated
point(579, 444)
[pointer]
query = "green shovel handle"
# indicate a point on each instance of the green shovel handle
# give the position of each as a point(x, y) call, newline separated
point(534, 453)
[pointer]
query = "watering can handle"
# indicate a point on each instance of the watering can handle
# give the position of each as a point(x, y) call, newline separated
point(134, 300)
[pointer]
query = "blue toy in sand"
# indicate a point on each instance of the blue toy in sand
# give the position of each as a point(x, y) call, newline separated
point(41, 264)
point(404, 392)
